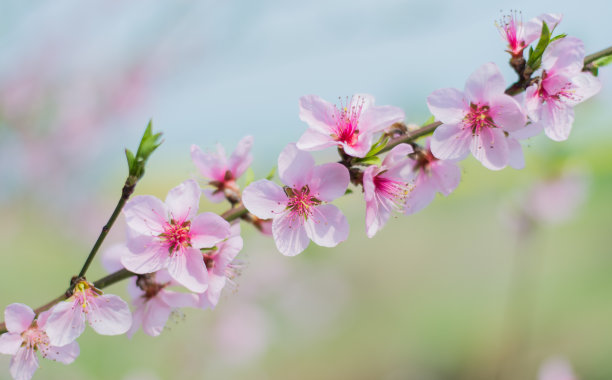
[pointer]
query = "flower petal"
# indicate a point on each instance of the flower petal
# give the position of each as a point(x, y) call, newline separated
point(111, 257)
point(584, 86)
point(241, 158)
point(183, 201)
point(18, 317)
point(10, 343)
point(507, 113)
point(490, 148)
point(448, 105)
point(208, 229)
point(24, 364)
point(327, 226)
point(451, 142)
point(149, 260)
point(485, 82)
point(210, 165)
point(293, 164)
point(421, 195)
point(329, 181)
point(65, 354)
point(564, 56)
point(315, 140)
point(359, 148)
point(188, 269)
point(289, 235)
point(317, 113)
point(109, 315)
point(445, 176)
point(376, 118)
point(557, 120)
point(264, 199)
point(65, 323)
point(145, 214)
point(155, 316)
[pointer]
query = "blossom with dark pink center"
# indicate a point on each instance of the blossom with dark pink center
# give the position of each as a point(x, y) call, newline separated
point(170, 235)
point(25, 336)
point(386, 187)
point(480, 119)
point(350, 126)
point(299, 210)
point(562, 86)
point(154, 302)
point(107, 314)
point(221, 171)
point(431, 175)
point(519, 35)
point(221, 267)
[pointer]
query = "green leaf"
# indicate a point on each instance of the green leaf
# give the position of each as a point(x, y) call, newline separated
point(378, 146)
point(271, 174)
point(373, 160)
point(147, 146)
point(429, 121)
point(558, 37)
point(603, 61)
point(130, 157)
point(249, 176)
point(348, 191)
point(535, 56)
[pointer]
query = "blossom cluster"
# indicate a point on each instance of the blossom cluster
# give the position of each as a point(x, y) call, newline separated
point(178, 257)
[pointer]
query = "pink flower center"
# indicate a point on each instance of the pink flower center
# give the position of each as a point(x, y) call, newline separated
point(392, 193)
point(512, 31)
point(83, 293)
point(347, 122)
point(301, 203)
point(478, 118)
point(34, 338)
point(176, 235)
point(565, 92)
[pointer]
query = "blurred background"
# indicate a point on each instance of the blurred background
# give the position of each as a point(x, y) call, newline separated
point(509, 275)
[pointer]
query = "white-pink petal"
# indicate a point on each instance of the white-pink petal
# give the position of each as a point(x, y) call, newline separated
point(327, 226)
point(445, 175)
point(65, 323)
point(65, 354)
point(147, 261)
point(557, 120)
point(241, 158)
point(208, 229)
point(421, 195)
point(189, 270)
point(109, 315)
point(485, 82)
point(490, 148)
point(183, 201)
point(264, 199)
point(289, 235)
point(294, 166)
point(145, 214)
point(329, 181)
point(18, 317)
point(312, 139)
point(376, 118)
point(448, 105)
point(210, 165)
point(451, 142)
point(515, 154)
point(24, 364)
point(506, 113)
point(317, 113)
point(10, 343)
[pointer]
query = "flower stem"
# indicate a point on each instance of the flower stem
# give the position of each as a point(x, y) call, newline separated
point(128, 189)
point(595, 56)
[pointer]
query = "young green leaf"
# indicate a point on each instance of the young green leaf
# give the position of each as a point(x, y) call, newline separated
point(535, 56)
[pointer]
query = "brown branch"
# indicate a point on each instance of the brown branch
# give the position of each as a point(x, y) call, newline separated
point(514, 89)
point(120, 275)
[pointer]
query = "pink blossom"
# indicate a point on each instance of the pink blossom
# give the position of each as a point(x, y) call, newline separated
point(25, 336)
point(386, 187)
point(351, 126)
point(563, 85)
point(221, 267)
point(556, 369)
point(431, 175)
point(170, 235)
point(154, 302)
point(478, 120)
point(107, 314)
point(298, 209)
point(519, 35)
point(222, 171)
